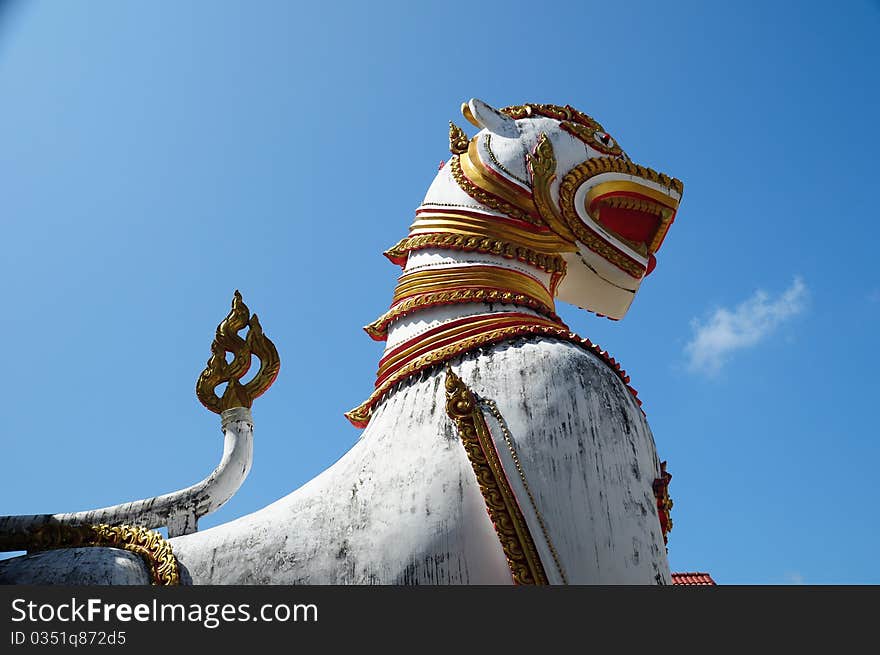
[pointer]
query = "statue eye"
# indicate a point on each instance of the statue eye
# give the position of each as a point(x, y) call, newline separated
point(604, 138)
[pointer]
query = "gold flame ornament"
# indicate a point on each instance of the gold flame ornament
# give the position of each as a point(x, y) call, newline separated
point(218, 370)
point(458, 140)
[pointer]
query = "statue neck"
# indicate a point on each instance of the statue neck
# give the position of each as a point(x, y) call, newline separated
point(439, 287)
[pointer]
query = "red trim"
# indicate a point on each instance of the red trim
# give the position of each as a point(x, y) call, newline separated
point(526, 300)
point(513, 186)
point(630, 194)
point(400, 261)
point(605, 240)
point(439, 328)
point(534, 323)
point(533, 214)
point(533, 329)
point(503, 319)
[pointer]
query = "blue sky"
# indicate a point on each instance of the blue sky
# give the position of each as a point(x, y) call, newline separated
point(155, 156)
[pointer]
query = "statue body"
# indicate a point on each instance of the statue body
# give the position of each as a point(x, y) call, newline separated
point(498, 447)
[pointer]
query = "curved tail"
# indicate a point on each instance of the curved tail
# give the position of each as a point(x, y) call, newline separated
point(181, 510)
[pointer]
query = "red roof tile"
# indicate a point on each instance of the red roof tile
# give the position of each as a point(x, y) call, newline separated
point(692, 579)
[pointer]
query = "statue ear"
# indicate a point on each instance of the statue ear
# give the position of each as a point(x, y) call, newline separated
point(482, 115)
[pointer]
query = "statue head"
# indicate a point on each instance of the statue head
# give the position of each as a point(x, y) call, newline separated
point(551, 179)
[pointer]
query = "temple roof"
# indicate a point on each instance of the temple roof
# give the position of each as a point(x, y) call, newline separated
point(692, 579)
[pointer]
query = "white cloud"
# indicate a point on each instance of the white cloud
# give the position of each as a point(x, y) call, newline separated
point(727, 331)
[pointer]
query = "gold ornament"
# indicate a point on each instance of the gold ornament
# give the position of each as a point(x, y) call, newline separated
point(664, 502)
point(219, 371)
point(542, 166)
point(378, 329)
point(507, 518)
point(453, 221)
point(147, 544)
point(458, 140)
point(546, 262)
point(411, 358)
point(478, 276)
point(508, 439)
point(578, 124)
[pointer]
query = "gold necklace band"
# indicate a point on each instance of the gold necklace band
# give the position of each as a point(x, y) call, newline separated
point(483, 244)
point(451, 332)
point(449, 221)
point(378, 329)
point(521, 325)
point(466, 277)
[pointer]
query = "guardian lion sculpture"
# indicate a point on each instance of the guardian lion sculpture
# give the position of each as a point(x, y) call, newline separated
point(498, 447)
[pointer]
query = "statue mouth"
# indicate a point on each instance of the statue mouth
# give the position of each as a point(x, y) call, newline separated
point(637, 214)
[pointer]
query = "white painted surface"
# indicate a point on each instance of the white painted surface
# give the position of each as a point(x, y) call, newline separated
point(420, 322)
point(76, 566)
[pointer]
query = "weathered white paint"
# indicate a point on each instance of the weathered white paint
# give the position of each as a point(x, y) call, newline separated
point(414, 324)
point(76, 566)
point(179, 510)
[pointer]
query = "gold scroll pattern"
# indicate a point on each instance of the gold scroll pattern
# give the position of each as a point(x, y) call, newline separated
point(578, 124)
point(147, 544)
point(378, 329)
point(483, 244)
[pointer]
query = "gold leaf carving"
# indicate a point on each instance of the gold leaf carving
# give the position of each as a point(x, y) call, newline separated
point(219, 371)
point(458, 140)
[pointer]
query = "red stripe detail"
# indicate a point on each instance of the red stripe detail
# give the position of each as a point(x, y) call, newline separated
point(530, 330)
point(445, 341)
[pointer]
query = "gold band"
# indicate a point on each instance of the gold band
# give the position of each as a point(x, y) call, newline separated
point(521, 326)
point(599, 165)
point(378, 328)
point(475, 276)
point(493, 227)
point(479, 174)
point(455, 331)
point(485, 197)
point(546, 262)
point(626, 186)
